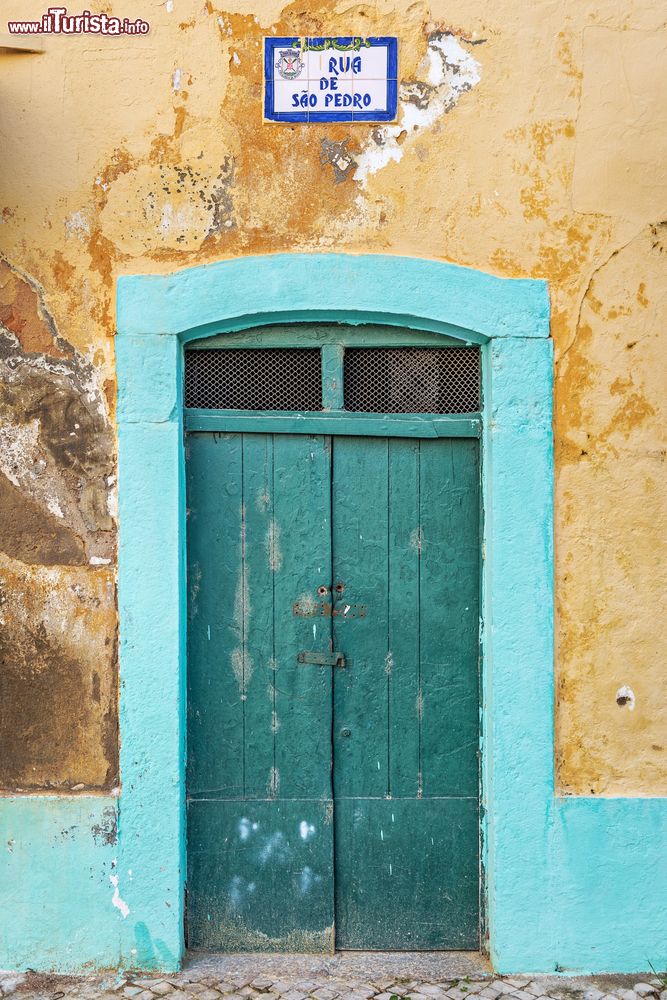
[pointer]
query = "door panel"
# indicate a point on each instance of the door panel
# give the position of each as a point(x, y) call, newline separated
point(406, 544)
point(260, 834)
point(260, 875)
point(406, 874)
point(360, 524)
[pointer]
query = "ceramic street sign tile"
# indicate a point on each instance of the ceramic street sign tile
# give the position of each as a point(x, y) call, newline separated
point(349, 79)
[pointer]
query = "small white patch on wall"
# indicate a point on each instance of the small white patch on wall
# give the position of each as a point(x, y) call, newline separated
point(447, 72)
point(19, 447)
point(166, 218)
point(625, 697)
point(77, 225)
point(119, 903)
point(54, 507)
point(176, 80)
point(306, 604)
point(236, 891)
point(112, 498)
point(305, 880)
point(275, 849)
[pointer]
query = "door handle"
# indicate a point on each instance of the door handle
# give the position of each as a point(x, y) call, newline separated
point(323, 659)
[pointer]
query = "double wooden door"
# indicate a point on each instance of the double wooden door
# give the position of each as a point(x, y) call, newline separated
point(333, 700)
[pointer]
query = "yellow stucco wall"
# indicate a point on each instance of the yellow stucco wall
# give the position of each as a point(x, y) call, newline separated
point(531, 141)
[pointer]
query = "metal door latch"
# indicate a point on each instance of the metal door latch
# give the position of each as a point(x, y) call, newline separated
point(323, 659)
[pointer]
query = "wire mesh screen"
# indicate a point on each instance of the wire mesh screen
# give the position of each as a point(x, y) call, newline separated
point(254, 379)
point(412, 379)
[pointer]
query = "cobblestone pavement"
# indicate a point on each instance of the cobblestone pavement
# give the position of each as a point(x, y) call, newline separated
point(351, 976)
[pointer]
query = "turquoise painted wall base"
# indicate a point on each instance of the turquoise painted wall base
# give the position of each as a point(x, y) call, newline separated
point(600, 907)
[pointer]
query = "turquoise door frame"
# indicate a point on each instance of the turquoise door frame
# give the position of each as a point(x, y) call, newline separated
point(510, 319)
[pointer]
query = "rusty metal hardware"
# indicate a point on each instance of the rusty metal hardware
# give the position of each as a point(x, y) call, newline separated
point(323, 659)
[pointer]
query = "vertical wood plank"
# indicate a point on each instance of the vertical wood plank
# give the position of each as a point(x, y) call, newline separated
point(332, 377)
point(403, 583)
point(215, 630)
point(449, 616)
point(360, 544)
point(302, 513)
point(254, 595)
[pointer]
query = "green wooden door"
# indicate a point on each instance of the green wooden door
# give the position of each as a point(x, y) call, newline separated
point(405, 733)
point(332, 804)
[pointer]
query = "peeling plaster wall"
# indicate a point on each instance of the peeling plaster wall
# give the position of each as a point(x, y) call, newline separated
point(530, 142)
point(58, 685)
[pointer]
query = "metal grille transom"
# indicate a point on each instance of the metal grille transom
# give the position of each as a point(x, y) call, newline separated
point(412, 379)
point(285, 378)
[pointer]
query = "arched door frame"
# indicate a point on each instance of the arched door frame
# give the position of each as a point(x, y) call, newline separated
point(156, 316)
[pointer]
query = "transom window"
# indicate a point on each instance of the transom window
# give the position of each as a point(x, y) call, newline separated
point(399, 378)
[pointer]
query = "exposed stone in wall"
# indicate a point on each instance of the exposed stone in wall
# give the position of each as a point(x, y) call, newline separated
point(57, 641)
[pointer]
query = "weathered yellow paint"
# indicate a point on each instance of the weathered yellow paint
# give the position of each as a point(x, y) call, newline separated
point(612, 549)
point(147, 154)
